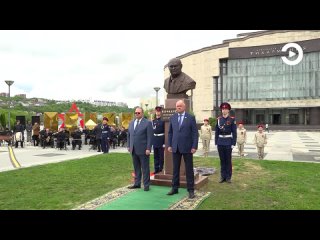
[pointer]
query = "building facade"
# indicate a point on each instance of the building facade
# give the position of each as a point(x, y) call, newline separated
point(250, 74)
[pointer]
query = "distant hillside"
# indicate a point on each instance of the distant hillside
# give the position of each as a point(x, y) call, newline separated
point(30, 107)
point(45, 105)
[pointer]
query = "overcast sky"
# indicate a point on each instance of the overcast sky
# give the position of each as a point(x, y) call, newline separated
point(118, 66)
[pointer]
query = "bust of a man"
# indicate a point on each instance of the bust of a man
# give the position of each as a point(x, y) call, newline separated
point(178, 83)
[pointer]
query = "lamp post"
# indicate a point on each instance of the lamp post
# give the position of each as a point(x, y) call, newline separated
point(156, 89)
point(146, 106)
point(9, 83)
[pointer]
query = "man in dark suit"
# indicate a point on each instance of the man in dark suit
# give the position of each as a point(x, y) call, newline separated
point(139, 140)
point(182, 141)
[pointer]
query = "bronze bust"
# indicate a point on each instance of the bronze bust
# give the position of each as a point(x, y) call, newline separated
point(178, 83)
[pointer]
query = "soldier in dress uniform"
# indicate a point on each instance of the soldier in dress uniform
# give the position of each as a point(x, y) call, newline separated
point(225, 139)
point(205, 135)
point(158, 141)
point(102, 132)
point(260, 140)
point(241, 138)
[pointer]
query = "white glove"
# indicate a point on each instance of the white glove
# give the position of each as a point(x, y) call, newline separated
point(163, 145)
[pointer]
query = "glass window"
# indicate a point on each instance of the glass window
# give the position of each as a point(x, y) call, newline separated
point(269, 78)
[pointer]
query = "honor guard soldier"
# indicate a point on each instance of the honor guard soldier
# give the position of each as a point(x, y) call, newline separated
point(105, 135)
point(225, 139)
point(158, 141)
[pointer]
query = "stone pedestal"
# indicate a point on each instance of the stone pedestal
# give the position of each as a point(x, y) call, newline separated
point(165, 178)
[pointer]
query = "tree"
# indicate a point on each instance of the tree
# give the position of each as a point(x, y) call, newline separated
point(212, 122)
point(3, 120)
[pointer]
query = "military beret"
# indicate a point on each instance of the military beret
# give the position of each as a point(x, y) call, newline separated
point(158, 108)
point(240, 122)
point(260, 125)
point(225, 105)
point(105, 118)
point(206, 119)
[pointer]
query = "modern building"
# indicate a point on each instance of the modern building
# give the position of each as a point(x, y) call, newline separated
point(108, 103)
point(254, 74)
point(23, 95)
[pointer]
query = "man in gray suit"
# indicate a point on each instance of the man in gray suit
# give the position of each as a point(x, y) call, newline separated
point(139, 139)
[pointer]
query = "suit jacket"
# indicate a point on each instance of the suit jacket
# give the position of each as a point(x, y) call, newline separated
point(140, 138)
point(184, 138)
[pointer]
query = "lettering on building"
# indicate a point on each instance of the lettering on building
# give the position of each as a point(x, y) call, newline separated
point(272, 50)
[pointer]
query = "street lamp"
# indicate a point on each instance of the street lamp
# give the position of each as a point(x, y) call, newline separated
point(146, 106)
point(9, 83)
point(156, 89)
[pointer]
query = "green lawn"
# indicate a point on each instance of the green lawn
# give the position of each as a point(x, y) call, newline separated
point(256, 184)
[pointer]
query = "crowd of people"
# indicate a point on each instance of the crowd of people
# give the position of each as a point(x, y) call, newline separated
point(36, 135)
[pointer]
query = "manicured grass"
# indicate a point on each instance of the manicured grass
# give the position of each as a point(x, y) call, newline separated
point(256, 184)
point(64, 185)
point(263, 185)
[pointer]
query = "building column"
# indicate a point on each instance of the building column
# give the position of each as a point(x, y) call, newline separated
point(314, 116)
point(239, 115)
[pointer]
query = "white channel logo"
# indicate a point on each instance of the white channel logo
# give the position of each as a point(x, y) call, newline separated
point(291, 54)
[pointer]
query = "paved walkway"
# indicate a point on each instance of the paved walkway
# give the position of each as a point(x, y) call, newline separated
point(31, 156)
point(282, 145)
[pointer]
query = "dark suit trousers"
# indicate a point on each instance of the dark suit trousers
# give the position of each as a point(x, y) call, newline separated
point(158, 158)
point(141, 162)
point(104, 145)
point(225, 161)
point(188, 160)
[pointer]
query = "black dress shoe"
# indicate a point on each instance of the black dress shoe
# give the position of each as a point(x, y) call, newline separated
point(133, 187)
point(221, 180)
point(172, 192)
point(191, 195)
point(146, 189)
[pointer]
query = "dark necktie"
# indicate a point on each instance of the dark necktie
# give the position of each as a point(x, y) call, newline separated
point(138, 121)
point(180, 120)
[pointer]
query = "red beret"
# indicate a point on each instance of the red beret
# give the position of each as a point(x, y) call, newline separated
point(240, 122)
point(105, 118)
point(260, 125)
point(225, 105)
point(206, 119)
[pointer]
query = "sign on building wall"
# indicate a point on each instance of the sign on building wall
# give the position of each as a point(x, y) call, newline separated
point(272, 50)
